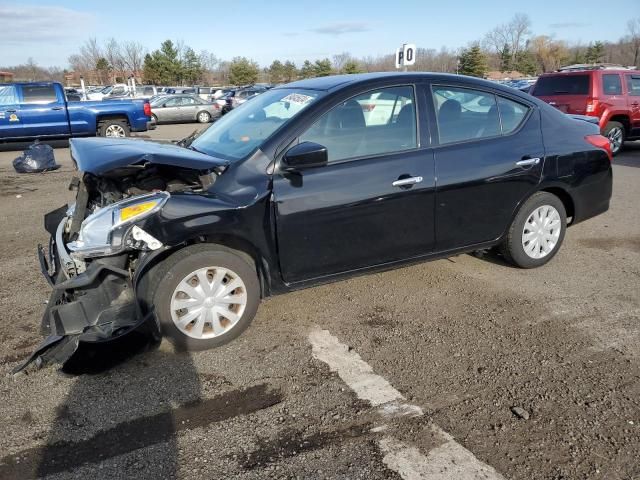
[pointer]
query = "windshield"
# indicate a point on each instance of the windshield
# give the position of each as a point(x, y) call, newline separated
point(241, 131)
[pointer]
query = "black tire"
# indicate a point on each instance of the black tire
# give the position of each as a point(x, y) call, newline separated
point(512, 248)
point(158, 285)
point(618, 128)
point(119, 124)
point(206, 117)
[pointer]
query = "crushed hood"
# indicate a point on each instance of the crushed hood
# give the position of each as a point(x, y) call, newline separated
point(100, 155)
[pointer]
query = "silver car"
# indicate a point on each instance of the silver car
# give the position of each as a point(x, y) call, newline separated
point(183, 108)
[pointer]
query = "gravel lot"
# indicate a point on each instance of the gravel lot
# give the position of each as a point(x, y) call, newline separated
point(466, 339)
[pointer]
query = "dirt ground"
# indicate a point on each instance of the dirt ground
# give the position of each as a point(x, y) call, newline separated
point(467, 339)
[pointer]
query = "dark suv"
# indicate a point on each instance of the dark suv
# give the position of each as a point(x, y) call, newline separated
point(610, 93)
point(308, 183)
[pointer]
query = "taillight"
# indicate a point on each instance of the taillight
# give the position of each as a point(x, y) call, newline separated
point(599, 141)
point(147, 109)
point(592, 106)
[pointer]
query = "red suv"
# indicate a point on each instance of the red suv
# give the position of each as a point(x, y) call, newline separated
point(610, 93)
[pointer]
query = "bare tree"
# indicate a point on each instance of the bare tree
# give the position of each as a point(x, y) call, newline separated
point(633, 27)
point(339, 60)
point(113, 54)
point(133, 56)
point(509, 37)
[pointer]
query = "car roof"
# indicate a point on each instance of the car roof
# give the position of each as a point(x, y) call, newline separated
point(336, 82)
point(592, 71)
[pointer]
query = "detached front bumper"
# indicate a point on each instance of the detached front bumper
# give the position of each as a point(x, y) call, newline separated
point(96, 305)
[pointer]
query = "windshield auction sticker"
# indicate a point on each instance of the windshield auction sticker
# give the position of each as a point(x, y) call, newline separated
point(297, 98)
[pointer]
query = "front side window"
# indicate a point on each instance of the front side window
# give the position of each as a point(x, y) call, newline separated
point(611, 84)
point(8, 95)
point(633, 84)
point(374, 123)
point(243, 130)
point(39, 94)
point(465, 114)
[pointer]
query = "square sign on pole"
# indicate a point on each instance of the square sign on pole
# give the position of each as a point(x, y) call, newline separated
point(405, 55)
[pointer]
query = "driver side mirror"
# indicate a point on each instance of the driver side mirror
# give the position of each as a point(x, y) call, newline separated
point(305, 155)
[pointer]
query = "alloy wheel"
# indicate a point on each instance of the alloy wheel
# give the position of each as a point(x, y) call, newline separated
point(208, 302)
point(615, 136)
point(116, 131)
point(541, 232)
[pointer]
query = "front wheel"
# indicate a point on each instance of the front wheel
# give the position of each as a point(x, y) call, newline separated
point(614, 131)
point(204, 296)
point(537, 231)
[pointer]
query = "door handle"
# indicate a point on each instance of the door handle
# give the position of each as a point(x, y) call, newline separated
point(528, 161)
point(11, 111)
point(56, 108)
point(403, 182)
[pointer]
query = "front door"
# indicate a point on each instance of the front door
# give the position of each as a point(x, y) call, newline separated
point(633, 98)
point(42, 112)
point(489, 159)
point(372, 204)
point(10, 124)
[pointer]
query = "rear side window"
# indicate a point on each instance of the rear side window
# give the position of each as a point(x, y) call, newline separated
point(611, 84)
point(39, 94)
point(8, 95)
point(511, 114)
point(633, 84)
point(562, 85)
point(465, 114)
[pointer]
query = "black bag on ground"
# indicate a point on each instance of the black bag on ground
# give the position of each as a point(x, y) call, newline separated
point(37, 158)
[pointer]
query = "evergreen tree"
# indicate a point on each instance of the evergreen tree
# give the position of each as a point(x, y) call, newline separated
point(243, 71)
point(276, 72)
point(307, 70)
point(351, 66)
point(322, 68)
point(473, 62)
point(192, 69)
point(526, 63)
point(289, 71)
point(163, 66)
point(594, 53)
point(505, 59)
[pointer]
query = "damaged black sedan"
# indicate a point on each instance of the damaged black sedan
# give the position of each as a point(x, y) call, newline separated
point(307, 183)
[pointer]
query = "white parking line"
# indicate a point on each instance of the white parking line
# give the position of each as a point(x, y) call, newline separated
point(449, 460)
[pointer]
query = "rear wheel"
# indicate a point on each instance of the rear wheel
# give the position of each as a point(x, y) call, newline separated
point(204, 117)
point(537, 231)
point(204, 296)
point(615, 132)
point(115, 128)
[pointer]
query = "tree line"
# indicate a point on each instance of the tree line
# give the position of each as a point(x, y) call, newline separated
point(508, 47)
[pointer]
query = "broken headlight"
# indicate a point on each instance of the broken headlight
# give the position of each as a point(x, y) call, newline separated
point(102, 232)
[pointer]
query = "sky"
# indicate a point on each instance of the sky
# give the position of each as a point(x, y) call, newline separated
point(49, 31)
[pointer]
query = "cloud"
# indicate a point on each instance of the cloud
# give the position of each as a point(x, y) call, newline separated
point(340, 28)
point(23, 25)
point(569, 25)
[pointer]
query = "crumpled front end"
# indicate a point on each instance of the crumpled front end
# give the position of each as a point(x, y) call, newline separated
point(99, 246)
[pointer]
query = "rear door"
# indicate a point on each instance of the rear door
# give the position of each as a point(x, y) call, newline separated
point(489, 158)
point(568, 92)
point(10, 124)
point(633, 100)
point(42, 111)
point(190, 107)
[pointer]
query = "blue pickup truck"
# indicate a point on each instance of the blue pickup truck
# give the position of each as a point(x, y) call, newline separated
point(41, 110)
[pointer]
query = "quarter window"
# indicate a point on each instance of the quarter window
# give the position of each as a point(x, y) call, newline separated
point(8, 95)
point(39, 94)
point(611, 84)
point(633, 84)
point(511, 114)
point(374, 123)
